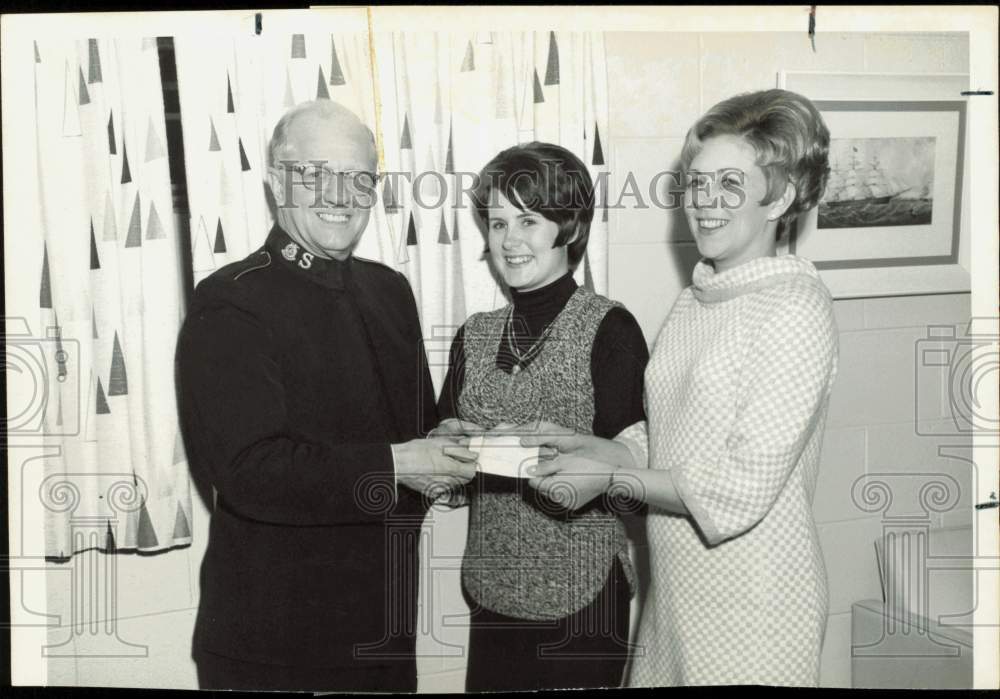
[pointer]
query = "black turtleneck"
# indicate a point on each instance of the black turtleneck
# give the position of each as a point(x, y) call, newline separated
point(617, 360)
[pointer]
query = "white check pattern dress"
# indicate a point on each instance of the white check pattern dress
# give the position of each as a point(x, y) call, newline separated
point(736, 395)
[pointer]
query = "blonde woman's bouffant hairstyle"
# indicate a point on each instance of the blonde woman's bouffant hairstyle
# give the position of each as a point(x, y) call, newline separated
point(787, 133)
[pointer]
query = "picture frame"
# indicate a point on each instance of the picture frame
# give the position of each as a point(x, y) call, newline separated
point(891, 220)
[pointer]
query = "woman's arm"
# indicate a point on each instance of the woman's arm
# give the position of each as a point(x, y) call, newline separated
point(589, 466)
point(789, 368)
point(787, 371)
point(617, 365)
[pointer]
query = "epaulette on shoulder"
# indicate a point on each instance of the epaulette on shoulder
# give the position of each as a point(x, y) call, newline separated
point(257, 261)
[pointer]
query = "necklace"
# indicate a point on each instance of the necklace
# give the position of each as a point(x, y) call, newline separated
point(522, 358)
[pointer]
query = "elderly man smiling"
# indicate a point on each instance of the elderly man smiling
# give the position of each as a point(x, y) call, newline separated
point(304, 395)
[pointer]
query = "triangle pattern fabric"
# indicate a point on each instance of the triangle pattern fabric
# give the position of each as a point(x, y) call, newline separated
point(411, 231)
point(154, 228)
point(71, 111)
point(443, 238)
point(539, 93)
point(109, 539)
point(181, 528)
point(220, 239)
point(449, 158)
point(95, 62)
point(126, 173)
point(244, 163)
point(389, 197)
point(112, 146)
point(45, 292)
point(552, 65)
point(118, 381)
point(84, 95)
point(95, 261)
point(230, 107)
point(321, 92)
point(213, 142)
point(336, 73)
point(298, 46)
point(469, 62)
point(180, 456)
point(110, 227)
point(402, 254)
point(404, 139)
point(154, 146)
point(134, 237)
point(203, 261)
point(146, 535)
point(102, 402)
point(93, 324)
point(598, 151)
point(588, 277)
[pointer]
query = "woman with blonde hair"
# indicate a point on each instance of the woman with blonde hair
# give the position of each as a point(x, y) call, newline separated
point(736, 394)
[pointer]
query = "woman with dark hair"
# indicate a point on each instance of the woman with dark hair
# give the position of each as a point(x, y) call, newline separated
point(736, 392)
point(549, 586)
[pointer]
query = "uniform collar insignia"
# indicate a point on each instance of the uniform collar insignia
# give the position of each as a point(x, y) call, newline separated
point(330, 273)
point(290, 252)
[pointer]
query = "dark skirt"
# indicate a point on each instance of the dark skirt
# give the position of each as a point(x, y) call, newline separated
point(587, 649)
point(219, 672)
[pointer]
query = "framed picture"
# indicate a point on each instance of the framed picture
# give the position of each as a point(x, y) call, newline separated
point(890, 221)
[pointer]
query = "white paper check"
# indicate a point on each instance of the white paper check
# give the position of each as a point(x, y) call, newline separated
point(503, 455)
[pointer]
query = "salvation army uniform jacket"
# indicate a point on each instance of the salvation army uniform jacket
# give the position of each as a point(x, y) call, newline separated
point(295, 374)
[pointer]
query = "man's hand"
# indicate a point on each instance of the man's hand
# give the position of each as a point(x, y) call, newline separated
point(456, 429)
point(434, 465)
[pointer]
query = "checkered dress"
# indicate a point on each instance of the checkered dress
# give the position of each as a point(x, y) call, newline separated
point(736, 395)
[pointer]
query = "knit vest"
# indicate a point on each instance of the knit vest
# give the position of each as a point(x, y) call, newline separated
point(526, 556)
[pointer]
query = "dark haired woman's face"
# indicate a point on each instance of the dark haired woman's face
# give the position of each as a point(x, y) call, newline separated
point(521, 247)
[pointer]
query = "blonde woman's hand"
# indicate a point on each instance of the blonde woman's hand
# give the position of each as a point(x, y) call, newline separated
point(555, 440)
point(571, 481)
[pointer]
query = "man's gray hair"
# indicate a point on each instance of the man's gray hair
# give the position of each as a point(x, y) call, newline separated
point(322, 107)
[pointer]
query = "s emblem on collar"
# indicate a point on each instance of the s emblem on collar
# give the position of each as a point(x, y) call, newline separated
point(290, 251)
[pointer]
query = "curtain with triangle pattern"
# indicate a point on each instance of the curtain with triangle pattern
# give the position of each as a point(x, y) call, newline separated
point(110, 295)
point(441, 106)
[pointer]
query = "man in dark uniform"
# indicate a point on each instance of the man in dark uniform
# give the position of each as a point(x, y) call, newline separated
point(305, 396)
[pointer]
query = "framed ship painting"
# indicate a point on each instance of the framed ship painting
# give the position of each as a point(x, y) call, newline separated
point(890, 220)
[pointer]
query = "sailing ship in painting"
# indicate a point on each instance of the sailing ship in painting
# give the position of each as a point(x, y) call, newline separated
point(878, 182)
